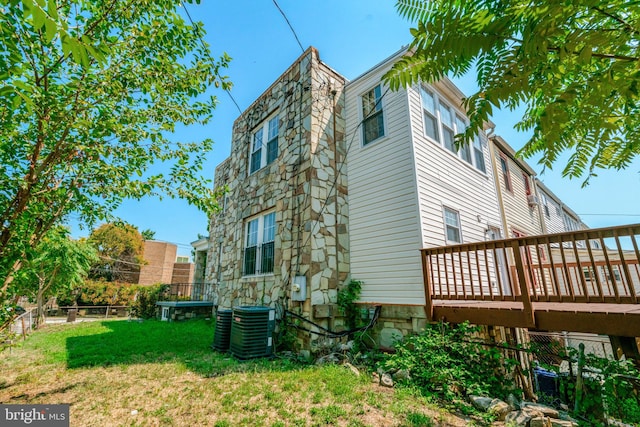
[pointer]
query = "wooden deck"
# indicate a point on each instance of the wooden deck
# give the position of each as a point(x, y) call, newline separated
point(587, 281)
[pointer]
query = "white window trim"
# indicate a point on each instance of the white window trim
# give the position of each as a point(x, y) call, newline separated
point(455, 114)
point(381, 103)
point(263, 129)
point(259, 242)
point(444, 218)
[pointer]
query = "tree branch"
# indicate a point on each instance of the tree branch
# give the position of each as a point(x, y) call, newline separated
point(621, 21)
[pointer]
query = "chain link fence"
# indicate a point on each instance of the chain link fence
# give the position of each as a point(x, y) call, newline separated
point(579, 372)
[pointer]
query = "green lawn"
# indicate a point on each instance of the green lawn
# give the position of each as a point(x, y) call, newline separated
point(156, 374)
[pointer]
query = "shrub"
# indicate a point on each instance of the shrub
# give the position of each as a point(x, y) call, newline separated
point(608, 387)
point(347, 298)
point(446, 362)
point(144, 305)
point(99, 292)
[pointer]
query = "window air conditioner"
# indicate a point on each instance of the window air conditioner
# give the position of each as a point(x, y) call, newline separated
point(532, 200)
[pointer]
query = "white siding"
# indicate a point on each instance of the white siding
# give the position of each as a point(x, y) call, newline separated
point(553, 222)
point(384, 226)
point(445, 179)
point(398, 188)
point(520, 216)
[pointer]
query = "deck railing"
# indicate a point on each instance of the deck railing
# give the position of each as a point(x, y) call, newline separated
point(587, 266)
point(187, 292)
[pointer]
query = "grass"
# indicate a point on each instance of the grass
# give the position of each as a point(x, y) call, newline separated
point(165, 374)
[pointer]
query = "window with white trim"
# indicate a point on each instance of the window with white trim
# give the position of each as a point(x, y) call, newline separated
point(506, 173)
point(373, 117)
point(442, 123)
point(527, 184)
point(264, 153)
point(259, 245)
point(452, 225)
point(545, 205)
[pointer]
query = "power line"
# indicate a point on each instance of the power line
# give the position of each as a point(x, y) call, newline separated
point(206, 50)
point(607, 214)
point(290, 26)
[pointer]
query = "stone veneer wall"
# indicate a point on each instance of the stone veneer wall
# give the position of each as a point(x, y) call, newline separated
point(305, 186)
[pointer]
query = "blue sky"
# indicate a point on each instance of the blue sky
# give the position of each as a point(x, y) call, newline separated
point(351, 36)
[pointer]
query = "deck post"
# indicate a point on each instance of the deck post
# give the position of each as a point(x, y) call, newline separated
point(527, 308)
point(428, 304)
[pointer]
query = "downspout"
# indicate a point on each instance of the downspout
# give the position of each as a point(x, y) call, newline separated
point(541, 216)
point(335, 196)
point(496, 179)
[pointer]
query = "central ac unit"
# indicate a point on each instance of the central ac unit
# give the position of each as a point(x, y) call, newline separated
point(252, 332)
point(532, 200)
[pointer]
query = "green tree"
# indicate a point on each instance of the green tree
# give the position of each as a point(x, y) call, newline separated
point(574, 65)
point(57, 263)
point(120, 249)
point(90, 93)
point(148, 234)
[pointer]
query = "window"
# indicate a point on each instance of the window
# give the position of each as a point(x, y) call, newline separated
point(452, 225)
point(430, 115)
point(373, 124)
point(478, 154)
point(506, 175)
point(447, 128)
point(545, 205)
point(261, 154)
point(259, 248)
point(527, 185)
point(465, 150)
point(442, 123)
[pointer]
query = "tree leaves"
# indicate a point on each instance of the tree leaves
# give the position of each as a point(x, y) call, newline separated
point(90, 94)
point(574, 65)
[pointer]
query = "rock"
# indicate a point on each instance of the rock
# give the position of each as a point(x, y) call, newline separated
point(499, 408)
point(329, 358)
point(386, 380)
point(540, 422)
point(563, 423)
point(566, 417)
point(512, 400)
point(518, 419)
point(401, 374)
point(353, 368)
point(544, 410)
point(480, 402)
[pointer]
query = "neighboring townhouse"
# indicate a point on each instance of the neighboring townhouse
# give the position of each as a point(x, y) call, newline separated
point(515, 183)
point(410, 188)
point(200, 249)
point(557, 216)
point(280, 238)
point(519, 203)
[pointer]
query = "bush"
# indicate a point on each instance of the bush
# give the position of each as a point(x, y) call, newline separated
point(444, 361)
point(99, 292)
point(608, 387)
point(144, 305)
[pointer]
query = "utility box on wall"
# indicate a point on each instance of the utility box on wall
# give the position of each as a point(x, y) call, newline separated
point(299, 288)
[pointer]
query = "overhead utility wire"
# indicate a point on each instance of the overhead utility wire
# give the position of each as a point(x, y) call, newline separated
point(605, 214)
point(204, 45)
point(290, 26)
